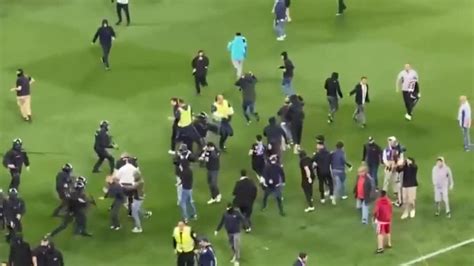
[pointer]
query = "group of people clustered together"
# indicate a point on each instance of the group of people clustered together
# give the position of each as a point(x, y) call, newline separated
point(189, 144)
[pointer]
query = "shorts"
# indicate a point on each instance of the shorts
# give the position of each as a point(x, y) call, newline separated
point(383, 229)
point(409, 195)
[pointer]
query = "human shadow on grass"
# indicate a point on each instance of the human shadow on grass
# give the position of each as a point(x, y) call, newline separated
point(134, 70)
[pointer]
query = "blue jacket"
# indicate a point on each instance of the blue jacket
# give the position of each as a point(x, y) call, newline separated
point(238, 48)
point(338, 160)
point(280, 10)
point(207, 257)
point(232, 221)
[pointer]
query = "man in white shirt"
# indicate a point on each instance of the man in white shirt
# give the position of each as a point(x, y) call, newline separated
point(126, 176)
point(122, 5)
point(407, 79)
point(464, 118)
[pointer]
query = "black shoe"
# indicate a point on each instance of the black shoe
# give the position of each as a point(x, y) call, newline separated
point(30, 119)
point(379, 251)
point(118, 23)
point(85, 234)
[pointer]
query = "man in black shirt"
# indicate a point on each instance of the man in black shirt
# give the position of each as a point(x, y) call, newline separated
point(273, 181)
point(200, 64)
point(296, 116)
point(274, 134)
point(284, 120)
point(14, 211)
point(23, 94)
point(333, 92)
point(245, 193)
point(258, 152)
point(372, 156)
point(211, 156)
point(322, 163)
point(288, 71)
point(117, 193)
point(13, 160)
point(103, 141)
point(63, 187)
point(106, 35)
point(246, 85)
point(20, 252)
point(183, 161)
point(307, 179)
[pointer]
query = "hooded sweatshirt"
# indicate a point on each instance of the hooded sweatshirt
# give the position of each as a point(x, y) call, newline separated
point(383, 210)
point(237, 48)
point(442, 176)
point(332, 86)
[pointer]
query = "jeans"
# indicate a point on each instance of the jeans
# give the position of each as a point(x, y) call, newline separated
point(287, 129)
point(212, 182)
point(466, 138)
point(333, 104)
point(359, 114)
point(187, 200)
point(340, 179)
point(373, 172)
point(249, 109)
point(105, 54)
point(276, 192)
point(287, 87)
point(280, 28)
point(361, 204)
point(137, 212)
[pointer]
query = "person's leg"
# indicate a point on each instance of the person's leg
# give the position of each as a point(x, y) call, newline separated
point(19, 102)
point(245, 109)
point(365, 212)
point(105, 55)
point(266, 193)
point(136, 205)
point(127, 13)
point(66, 221)
point(279, 198)
point(61, 206)
point(380, 240)
point(236, 244)
point(362, 115)
point(27, 106)
point(197, 84)
point(329, 181)
point(307, 193)
point(343, 178)
point(184, 203)
point(406, 101)
point(446, 200)
point(15, 180)
point(386, 179)
point(214, 184)
point(191, 203)
point(252, 111)
point(285, 87)
point(406, 204)
point(119, 13)
point(466, 138)
point(114, 214)
point(288, 17)
point(373, 171)
point(287, 129)
point(111, 161)
point(321, 188)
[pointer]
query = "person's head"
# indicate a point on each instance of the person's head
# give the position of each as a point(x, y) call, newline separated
point(392, 141)
point(463, 99)
point(362, 170)
point(284, 55)
point(211, 146)
point(383, 193)
point(410, 160)
point(371, 140)
point(181, 102)
point(220, 99)
point(363, 80)
point(407, 67)
point(440, 161)
point(303, 154)
point(13, 193)
point(320, 139)
point(174, 101)
point(201, 53)
point(238, 34)
point(335, 75)
point(303, 256)
point(45, 241)
point(272, 120)
point(19, 72)
point(340, 145)
point(294, 99)
point(17, 144)
point(230, 208)
point(105, 23)
point(259, 138)
point(273, 159)
point(67, 168)
point(82, 179)
point(79, 186)
point(104, 124)
point(243, 172)
point(204, 242)
point(181, 225)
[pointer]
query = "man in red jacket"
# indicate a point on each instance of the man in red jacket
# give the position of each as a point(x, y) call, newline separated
point(383, 220)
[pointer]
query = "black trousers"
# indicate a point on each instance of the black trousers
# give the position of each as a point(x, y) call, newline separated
point(13, 230)
point(62, 206)
point(114, 213)
point(325, 179)
point(174, 134)
point(308, 192)
point(341, 6)
point(80, 223)
point(105, 54)
point(15, 179)
point(246, 210)
point(123, 7)
point(103, 155)
point(199, 80)
point(185, 259)
point(296, 131)
point(409, 102)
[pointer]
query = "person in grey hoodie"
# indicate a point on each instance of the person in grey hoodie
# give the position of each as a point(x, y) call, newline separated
point(280, 19)
point(442, 182)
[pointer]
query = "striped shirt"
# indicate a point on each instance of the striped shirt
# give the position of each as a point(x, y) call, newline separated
point(407, 78)
point(464, 115)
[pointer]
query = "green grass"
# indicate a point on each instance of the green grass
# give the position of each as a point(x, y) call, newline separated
point(50, 39)
point(453, 257)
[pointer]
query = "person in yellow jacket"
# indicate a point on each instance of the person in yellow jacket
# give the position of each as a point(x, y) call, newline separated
point(186, 132)
point(184, 242)
point(222, 112)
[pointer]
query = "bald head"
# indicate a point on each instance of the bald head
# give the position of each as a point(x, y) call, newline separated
point(407, 67)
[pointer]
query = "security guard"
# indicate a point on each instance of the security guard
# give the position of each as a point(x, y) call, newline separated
point(63, 187)
point(13, 160)
point(14, 211)
point(20, 252)
point(222, 112)
point(186, 132)
point(184, 241)
point(103, 141)
point(76, 210)
point(273, 180)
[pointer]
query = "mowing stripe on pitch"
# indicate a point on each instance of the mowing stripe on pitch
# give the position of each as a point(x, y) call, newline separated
point(436, 253)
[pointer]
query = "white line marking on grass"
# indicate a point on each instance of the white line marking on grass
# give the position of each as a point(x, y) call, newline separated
point(436, 253)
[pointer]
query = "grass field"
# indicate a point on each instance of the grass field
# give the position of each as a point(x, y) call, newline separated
point(150, 61)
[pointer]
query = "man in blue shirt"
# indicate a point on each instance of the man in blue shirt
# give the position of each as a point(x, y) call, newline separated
point(280, 19)
point(207, 256)
point(338, 169)
point(106, 35)
point(238, 52)
point(273, 180)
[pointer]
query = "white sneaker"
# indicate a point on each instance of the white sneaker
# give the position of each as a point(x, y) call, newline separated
point(333, 200)
point(323, 201)
point(338, 14)
point(218, 198)
point(171, 152)
point(412, 213)
point(408, 117)
point(280, 38)
point(296, 149)
point(344, 197)
point(211, 201)
point(326, 193)
point(236, 263)
point(404, 215)
point(284, 36)
point(233, 260)
point(137, 230)
point(309, 209)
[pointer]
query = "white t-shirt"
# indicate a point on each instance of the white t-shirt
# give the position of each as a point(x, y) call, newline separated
point(125, 174)
point(364, 92)
point(408, 79)
point(122, 2)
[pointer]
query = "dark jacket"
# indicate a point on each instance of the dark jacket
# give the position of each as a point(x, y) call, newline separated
point(54, 257)
point(102, 140)
point(282, 112)
point(13, 207)
point(280, 11)
point(288, 68)
point(20, 253)
point(23, 82)
point(274, 175)
point(358, 94)
point(212, 159)
point(200, 64)
point(183, 168)
point(232, 220)
point(332, 86)
point(247, 84)
point(274, 133)
point(63, 182)
point(410, 172)
point(17, 157)
point(372, 154)
point(369, 189)
point(207, 257)
point(245, 192)
point(105, 35)
point(322, 158)
point(295, 112)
